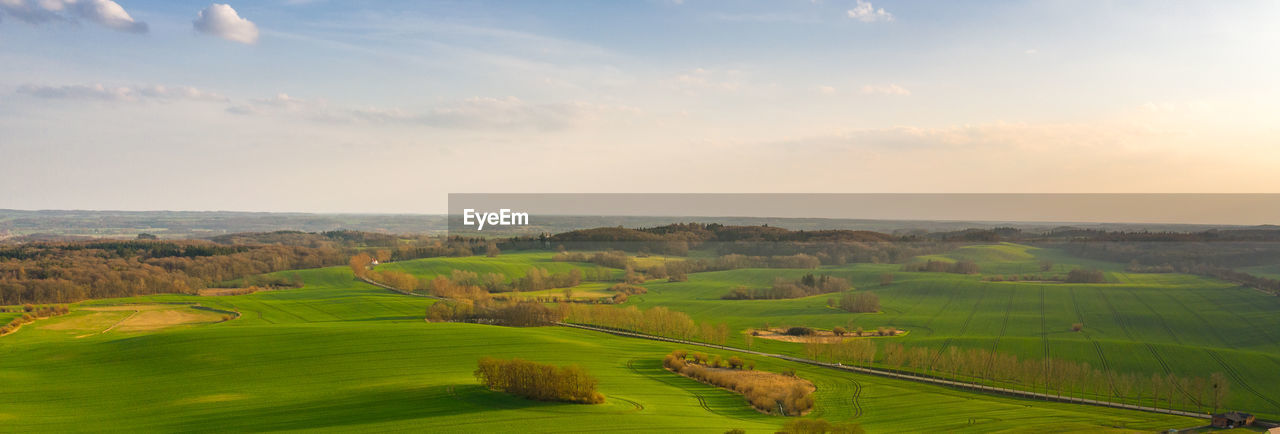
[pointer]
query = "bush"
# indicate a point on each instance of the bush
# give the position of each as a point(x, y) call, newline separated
point(767, 393)
point(539, 381)
point(1077, 327)
point(861, 302)
point(806, 286)
point(629, 289)
point(799, 331)
point(1080, 275)
point(819, 426)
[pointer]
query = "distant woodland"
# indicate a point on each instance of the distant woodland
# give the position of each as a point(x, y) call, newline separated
point(68, 271)
point(63, 272)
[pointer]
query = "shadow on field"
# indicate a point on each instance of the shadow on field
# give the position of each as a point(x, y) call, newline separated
point(357, 407)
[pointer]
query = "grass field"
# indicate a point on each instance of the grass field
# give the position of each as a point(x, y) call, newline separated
point(511, 265)
point(1142, 323)
point(342, 355)
point(1267, 271)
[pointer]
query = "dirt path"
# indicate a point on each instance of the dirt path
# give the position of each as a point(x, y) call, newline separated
point(117, 324)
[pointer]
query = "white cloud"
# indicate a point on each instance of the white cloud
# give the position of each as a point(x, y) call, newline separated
point(106, 13)
point(706, 79)
point(887, 89)
point(866, 13)
point(826, 90)
point(120, 93)
point(222, 21)
point(478, 113)
point(1032, 51)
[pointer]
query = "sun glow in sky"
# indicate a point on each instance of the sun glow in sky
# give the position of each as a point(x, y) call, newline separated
point(387, 106)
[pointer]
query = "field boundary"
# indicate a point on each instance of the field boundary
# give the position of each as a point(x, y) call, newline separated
point(897, 375)
point(396, 290)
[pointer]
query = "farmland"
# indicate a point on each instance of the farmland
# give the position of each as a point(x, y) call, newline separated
point(343, 355)
point(1137, 323)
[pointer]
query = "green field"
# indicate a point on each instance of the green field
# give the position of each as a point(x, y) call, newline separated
point(1267, 271)
point(342, 355)
point(1139, 323)
point(511, 265)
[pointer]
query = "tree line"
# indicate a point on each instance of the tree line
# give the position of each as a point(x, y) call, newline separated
point(539, 381)
point(30, 314)
point(765, 392)
point(932, 266)
point(782, 288)
point(1049, 376)
point(658, 321)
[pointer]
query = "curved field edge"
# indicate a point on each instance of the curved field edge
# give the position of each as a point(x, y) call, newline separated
point(374, 376)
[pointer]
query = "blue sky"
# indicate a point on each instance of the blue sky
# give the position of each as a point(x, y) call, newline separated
point(305, 105)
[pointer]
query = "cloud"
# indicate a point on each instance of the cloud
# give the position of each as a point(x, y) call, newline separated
point(222, 21)
point(478, 113)
point(1032, 51)
point(866, 13)
point(102, 92)
point(705, 79)
point(106, 13)
point(888, 89)
point(826, 90)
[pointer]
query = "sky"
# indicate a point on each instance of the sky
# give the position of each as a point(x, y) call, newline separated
point(389, 106)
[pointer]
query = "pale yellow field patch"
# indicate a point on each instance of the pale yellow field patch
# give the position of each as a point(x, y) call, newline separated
point(210, 399)
point(91, 323)
point(147, 320)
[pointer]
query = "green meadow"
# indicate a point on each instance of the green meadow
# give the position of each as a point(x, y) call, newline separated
point(1136, 323)
point(342, 355)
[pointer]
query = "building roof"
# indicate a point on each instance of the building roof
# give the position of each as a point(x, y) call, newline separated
point(1234, 416)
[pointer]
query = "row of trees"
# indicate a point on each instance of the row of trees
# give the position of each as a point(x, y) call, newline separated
point(782, 288)
point(860, 302)
point(1050, 376)
point(932, 266)
point(658, 321)
point(75, 271)
point(767, 392)
point(817, 426)
point(539, 381)
point(628, 289)
point(1081, 275)
point(512, 313)
point(30, 314)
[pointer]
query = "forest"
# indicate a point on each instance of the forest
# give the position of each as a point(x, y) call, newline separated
point(71, 271)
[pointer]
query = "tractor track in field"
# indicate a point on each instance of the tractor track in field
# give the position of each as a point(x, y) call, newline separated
point(917, 297)
point(1115, 314)
point(951, 297)
point(1151, 347)
point(964, 327)
point(857, 393)
point(259, 312)
point(1155, 353)
point(701, 400)
point(1102, 358)
point(272, 306)
point(1044, 331)
point(1163, 324)
point(1240, 319)
point(1214, 330)
point(1004, 326)
point(1239, 380)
